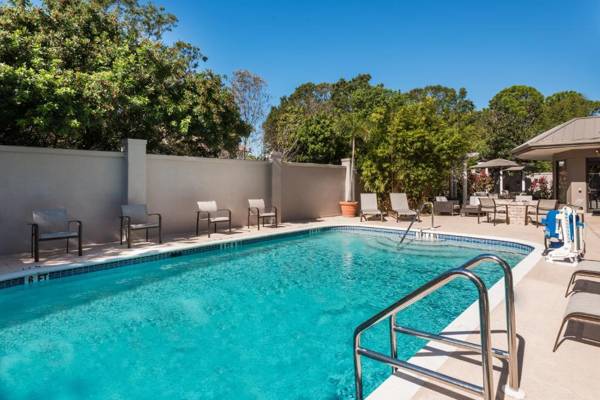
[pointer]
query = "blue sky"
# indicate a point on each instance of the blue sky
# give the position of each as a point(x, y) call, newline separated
point(482, 46)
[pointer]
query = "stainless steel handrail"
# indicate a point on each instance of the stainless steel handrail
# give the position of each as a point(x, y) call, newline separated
point(485, 348)
point(417, 217)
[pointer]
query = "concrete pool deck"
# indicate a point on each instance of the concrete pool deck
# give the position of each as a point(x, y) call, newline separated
point(572, 372)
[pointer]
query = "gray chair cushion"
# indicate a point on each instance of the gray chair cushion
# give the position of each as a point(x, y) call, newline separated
point(267, 214)
point(138, 213)
point(221, 219)
point(58, 235)
point(144, 226)
point(51, 220)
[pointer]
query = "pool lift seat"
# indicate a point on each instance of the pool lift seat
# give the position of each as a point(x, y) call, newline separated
point(486, 391)
point(564, 236)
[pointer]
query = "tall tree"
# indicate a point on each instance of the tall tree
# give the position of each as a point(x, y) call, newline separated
point(563, 106)
point(513, 117)
point(251, 96)
point(85, 74)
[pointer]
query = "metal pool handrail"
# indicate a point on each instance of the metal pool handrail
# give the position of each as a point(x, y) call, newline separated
point(485, 348)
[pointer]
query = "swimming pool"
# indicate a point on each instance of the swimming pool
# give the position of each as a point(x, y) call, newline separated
point(261, 320)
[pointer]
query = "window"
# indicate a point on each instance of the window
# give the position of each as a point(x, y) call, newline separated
point(562, 181)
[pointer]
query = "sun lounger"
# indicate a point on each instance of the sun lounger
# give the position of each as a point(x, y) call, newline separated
point(368, 206)
point(585, 268)
point(400, 206)
point(582, 307)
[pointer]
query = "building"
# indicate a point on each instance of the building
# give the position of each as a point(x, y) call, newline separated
point(574, 150)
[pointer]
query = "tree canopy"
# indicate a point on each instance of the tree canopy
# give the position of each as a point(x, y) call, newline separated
point(412, 141)
point(85, 74)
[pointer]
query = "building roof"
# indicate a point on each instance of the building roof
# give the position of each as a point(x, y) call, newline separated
point(578, 133)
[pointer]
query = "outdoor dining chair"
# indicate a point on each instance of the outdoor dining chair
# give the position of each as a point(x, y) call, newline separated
point(53, 224)
point(489, 206)
point(443, 205)
point(256, 207)
point(134, 217)
point(541, 209)
point(214, 215)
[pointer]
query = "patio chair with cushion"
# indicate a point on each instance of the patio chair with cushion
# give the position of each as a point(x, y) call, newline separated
point(400, 206)
point(443, 205)
point(489, 206)
point(134, 217)
point(214, 215)
point(474, 207)
point(368, 206)
point(53, 224)
point(257, 207)
point(541, 209)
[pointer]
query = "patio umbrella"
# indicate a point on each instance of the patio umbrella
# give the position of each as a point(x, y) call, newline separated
point(499, 163)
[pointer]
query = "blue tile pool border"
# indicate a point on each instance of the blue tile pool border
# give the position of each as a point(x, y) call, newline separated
point(32, 275)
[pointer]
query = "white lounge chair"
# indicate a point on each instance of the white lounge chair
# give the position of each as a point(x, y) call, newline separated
point(368, 206)
point(400, 206)
point(214, 215)
point(134, 217)
point(257, 207)
point(53, 224)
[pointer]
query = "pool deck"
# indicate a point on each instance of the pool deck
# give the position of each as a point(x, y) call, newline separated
point(570, 373)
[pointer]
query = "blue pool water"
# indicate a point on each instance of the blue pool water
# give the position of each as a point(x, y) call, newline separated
point(270, 320)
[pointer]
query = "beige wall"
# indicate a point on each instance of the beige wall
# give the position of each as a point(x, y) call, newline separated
point(576, 174)
point(311, 190)
point(175, 184)
point(90, 184)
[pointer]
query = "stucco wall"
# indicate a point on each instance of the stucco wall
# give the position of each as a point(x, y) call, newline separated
point(576, 174)
point(90, 184)
point(311, 190)
point(93, 185)
point(175, 184)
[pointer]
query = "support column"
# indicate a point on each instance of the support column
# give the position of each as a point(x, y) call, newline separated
point(135, 157)
point(349, 180)
point(277, 183)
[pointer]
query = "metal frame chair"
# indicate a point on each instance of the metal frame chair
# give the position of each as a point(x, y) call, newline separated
point(488, 205)
point(53, 224)
point(368, 206)
point(257, 207)
point(443, 205)
point(542, 208)
point(208, 208)
point(400, 207)
point(134, 217)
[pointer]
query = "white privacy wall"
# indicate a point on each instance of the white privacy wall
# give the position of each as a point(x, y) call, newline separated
point(92, 185)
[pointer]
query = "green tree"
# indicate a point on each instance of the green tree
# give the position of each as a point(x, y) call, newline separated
point(513, 117)
point(563, 106)
point(85, 74)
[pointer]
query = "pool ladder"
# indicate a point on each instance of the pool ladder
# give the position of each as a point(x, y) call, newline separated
point(485, 348)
